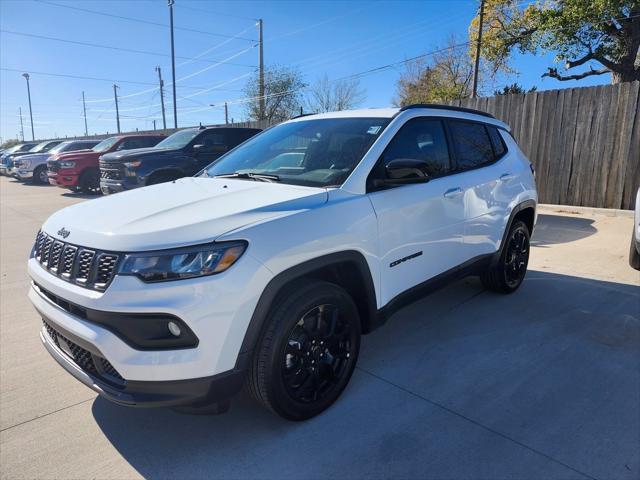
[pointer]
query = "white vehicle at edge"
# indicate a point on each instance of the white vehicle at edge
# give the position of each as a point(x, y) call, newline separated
point(178, 294)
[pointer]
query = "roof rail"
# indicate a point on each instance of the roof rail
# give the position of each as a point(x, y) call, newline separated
point(447, 107)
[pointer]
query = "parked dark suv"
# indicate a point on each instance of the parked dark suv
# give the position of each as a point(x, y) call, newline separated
point(183, 154)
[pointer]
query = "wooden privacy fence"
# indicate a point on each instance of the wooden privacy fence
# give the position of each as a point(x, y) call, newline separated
point(583, 142)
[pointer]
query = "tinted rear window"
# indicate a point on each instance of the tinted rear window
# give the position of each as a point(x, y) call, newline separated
point(472, 144)
point(496, 140)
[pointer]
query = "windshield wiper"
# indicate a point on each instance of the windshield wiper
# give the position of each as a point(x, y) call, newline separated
point(259, 177)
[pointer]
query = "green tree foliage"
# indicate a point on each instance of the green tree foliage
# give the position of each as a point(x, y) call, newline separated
point(9, 143)
point(447, 76)
point(512, 89)
point(582, 33)
point(282, 91)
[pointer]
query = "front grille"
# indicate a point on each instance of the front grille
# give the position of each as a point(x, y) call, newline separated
point(85, 267)
point(111, 172)
point(87, 361)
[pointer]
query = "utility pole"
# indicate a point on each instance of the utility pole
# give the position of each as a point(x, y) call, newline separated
point(115, 95)
point(21, 126)
point(84, 110)
point(154, 124)
point(33, 135)
point(173, 65)
point(474, 93)
point(164, 118)
point(261, 74)
point(226, 114)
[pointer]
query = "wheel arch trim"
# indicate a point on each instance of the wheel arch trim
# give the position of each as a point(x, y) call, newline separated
point(283, 279)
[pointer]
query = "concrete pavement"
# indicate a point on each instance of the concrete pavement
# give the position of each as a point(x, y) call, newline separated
point(544, 383)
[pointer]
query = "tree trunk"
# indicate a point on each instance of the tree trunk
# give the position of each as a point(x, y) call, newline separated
point(627, 75)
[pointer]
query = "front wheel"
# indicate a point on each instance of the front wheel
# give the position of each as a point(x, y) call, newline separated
point(307, 354)
point(40, 176)
point(90, 181)
point(508, 273)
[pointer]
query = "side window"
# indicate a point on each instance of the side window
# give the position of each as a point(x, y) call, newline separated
point(472, 144)
point(129, 144)
point(214, 142)
point(423, 140)
point(149, 141)
point(499, 147)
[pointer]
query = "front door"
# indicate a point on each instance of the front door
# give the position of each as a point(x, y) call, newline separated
point(421, 225)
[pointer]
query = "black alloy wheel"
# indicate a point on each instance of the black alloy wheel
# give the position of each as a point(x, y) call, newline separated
point(516, 258)
point(507, 274)
point(317, 353)
point(308, 352)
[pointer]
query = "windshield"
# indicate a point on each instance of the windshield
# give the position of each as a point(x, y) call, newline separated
point(105, 145)
point(179, 139)
point(41, 147)
point(60, 147)
point(315, 153)
point(13, 149)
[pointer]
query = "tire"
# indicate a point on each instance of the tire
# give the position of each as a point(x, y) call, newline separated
point(507, 274)
point(308, 351)
point(40, 175)
point(90, 181)
point(162, 177)
point(634, 256)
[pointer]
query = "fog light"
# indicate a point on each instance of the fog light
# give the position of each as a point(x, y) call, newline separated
point(174, 329)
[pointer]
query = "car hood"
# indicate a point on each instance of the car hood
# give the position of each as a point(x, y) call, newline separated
point(189, 211)
point(35, 157)
point(124, 155)
point(75, 154)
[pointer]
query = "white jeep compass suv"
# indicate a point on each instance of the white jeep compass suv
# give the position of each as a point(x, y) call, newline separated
point(267, 267)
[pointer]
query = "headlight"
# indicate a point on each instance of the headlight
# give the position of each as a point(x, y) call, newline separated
point(24, 163)
point(132, 164)
point(182, 263)
point(67, 164)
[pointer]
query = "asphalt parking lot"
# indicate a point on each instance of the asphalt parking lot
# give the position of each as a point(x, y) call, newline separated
point(544, 383)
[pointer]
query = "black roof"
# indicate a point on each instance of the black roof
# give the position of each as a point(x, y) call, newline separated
point(447, 107)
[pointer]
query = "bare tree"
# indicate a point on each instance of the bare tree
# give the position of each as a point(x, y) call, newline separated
point(447, 76)
point(282, 91)
point(328, 96)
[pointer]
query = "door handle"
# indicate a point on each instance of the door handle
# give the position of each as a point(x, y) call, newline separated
point(452, 192)
point(505, 177)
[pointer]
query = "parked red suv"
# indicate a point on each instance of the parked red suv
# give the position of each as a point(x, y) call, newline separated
point(80, 171)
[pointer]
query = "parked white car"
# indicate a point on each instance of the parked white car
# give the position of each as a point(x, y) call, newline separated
point(177, 294)
point(634, 249)
point(34, 167)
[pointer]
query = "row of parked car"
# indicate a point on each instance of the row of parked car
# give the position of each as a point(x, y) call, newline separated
point(121, 162)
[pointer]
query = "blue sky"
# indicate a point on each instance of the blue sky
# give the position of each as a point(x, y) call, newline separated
point(336, 38)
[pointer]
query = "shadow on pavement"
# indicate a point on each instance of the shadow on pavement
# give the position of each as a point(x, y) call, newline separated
point(543, 383)
point(552, 229)
point(84, 196)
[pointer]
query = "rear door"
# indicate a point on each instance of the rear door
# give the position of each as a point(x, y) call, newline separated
point(420, 225)
point(484, 178)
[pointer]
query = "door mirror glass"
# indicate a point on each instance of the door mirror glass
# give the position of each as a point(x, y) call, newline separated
point(199, 149)
point(407, 168)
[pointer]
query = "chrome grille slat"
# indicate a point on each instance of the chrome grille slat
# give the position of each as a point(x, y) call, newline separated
point(85, 267)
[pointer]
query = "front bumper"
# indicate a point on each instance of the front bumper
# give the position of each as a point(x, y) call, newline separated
point(108, 186)
point(216, 388)
point(63, 179)
point(217, 309)
point(23, 174)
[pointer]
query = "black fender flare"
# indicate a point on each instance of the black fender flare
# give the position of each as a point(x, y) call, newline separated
point(279, 283)
point(517, 209)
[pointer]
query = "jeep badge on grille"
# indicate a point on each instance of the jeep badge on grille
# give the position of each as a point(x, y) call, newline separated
point(64, 233)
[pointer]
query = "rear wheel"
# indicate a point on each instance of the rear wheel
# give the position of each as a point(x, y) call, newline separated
point(507, 275)
point(40, 175)
point(90, 181)
point(306, 356)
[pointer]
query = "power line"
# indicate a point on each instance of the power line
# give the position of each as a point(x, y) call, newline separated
point(147, 22)
point(100, 79)
point(120, 49)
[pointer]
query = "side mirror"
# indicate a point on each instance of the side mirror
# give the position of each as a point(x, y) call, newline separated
point(403, 171)
point(199, 149)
